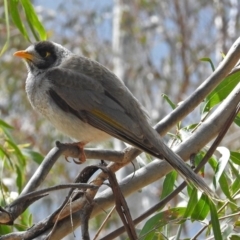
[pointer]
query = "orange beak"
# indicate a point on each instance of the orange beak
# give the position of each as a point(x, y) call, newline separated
point(23, 54)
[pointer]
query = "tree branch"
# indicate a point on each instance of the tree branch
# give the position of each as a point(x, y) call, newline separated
point(157, 169)
point(153, 171)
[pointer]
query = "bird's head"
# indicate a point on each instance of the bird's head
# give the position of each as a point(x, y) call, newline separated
point(43, 55)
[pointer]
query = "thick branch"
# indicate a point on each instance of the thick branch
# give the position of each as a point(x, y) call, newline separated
point(157, 169)
point(202, 91)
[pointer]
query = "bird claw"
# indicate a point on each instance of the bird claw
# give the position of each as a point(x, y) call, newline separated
point(78, 162)
point(66, 158)
point(82, 156)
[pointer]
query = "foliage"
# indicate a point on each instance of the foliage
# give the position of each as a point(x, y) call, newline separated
point(193, 207)
point(34, 24)
point(226, 176)
point(13, 169)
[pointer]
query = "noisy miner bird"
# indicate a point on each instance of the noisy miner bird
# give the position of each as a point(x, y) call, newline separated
point(88, 102)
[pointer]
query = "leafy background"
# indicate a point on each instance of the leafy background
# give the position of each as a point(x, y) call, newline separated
point(157, 47)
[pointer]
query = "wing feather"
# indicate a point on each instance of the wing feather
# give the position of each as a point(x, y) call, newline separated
point(84, 96)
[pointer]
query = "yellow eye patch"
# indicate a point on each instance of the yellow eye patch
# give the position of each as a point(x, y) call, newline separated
point(47, 54)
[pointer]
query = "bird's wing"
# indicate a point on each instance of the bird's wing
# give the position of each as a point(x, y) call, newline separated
point(106, 79)
point(87, 99)
point(101, 99)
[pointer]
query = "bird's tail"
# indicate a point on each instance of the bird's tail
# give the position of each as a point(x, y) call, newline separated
point(187, 173)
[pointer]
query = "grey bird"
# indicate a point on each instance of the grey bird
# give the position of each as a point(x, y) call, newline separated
point(86, 101)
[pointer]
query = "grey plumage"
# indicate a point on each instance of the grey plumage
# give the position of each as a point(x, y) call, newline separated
point(86, 101)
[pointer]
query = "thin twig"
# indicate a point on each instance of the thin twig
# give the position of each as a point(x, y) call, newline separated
point(50, 189)
point(164, 201)
point(104, 222)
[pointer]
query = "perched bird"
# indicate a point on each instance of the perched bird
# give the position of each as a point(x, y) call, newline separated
point(86, 101)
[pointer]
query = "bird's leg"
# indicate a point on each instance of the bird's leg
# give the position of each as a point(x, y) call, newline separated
point(82, 156)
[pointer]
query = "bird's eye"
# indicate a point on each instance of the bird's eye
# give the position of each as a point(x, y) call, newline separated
point(47, 54)
point(44, 54)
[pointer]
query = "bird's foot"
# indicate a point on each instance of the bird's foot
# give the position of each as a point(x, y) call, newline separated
point(82, 156)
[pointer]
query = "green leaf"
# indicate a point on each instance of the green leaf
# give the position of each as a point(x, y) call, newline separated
point(214, 220)
point(236, 184)
point(191, 203)
point(33, 20)
point(213, 162)
point(159, 220)
point(19, 180)
point(17, 19)
point(35, 156)
point(168, 184)
point(191, 126)
point(234, 236)
point(221, 91)
point(5, 46)
point(224, 185)
point(5, 125)
point(237, 120)
point(4, 153)
point(30, 220)
point(235, 157)
point(5, 229)
point(173, 106)
point(197, 159)
point(205, 59)
point(201, 209)
point(4, 193)
point(18, 152)
point(25, 217)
